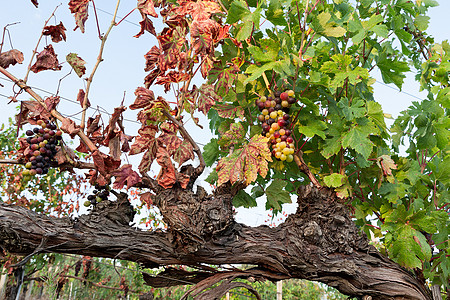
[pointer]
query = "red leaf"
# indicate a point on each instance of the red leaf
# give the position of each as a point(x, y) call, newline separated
point(80, 98)
point(183, 153)
point(144, 97)
point(147, 7)
point(56, 32)
point(10, 57)
point(171, 141)
point(146, 25)
point(167, 176)
point(125, 140)
point(229, 111)
point(151, 58)
point(80, 9)
point(125, 175)
point(146, 140)
point(207, 98)
point(46, 60)
point(69, 126)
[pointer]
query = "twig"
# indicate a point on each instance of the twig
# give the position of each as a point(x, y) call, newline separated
point(37, 45)
point(201, 167)
point(53, 112)
point(96, 20)
point(99, 60)
point(304, 169)
point(3, 36)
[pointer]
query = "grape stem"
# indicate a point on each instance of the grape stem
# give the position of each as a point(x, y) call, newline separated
point(304, 169)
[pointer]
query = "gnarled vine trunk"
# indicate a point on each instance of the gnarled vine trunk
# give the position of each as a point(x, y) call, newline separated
point(319, 242)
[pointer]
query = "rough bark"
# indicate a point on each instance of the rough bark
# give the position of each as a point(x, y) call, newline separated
point(319, 242)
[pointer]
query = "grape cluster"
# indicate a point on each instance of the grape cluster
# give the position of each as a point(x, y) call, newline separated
point(100, 193)
point(43, 141)
point(276, 121)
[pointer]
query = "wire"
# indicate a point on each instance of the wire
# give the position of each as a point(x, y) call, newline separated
point(108, 13)
point(400, 91)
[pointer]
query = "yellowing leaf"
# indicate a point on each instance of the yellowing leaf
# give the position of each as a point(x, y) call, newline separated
point(244, 164)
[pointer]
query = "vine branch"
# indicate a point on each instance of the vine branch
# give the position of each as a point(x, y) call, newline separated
point(99, 60)
point(201, 166)
point(304, 169)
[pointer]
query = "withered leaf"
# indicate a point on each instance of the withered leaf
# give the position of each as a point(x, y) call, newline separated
point(147, 7)
point(171, 141)
point(35, 3)
point(146, 25)
point(10, 57)
point(77, 63)
point(56, 32)
point(167, 176)
point(92, 124)
point(146, 198)
point(69, 126)
point(33, 111)
point(125, 175)
point(151, 58)
point(51, 102)
point(95, 177)
point(125, 141)
point(114, 147)
point(82, 148)
point(144, 97)
point(80, 9)
point(207, 97)
point(183, 153)
point(46, 60)
point(65, 155)
point(145, 141)
point(80, 98)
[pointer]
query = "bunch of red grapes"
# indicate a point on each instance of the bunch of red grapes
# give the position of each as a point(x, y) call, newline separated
point(43, 141)
point(100, 193)
point(276, 121)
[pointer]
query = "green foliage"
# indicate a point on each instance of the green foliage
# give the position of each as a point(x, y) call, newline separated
point(325, 53)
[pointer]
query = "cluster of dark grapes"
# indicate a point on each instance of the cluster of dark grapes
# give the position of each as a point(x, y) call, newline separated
point(276, 121)
point(100, 193)
point(43, 141)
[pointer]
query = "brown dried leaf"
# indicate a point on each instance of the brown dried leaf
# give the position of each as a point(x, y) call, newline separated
point(151, 58)
point(82, 148)
point(80, 98)
point(56, 32)
point(125, 175)
point(10, 57)
point(92, 123)
point(69, 126)
point(80, 9)
point(33, 111)
point(95, 177)
point(46, 60)
point(77, 63)
point(35, 3)
point(51, 102)
point(147, 198)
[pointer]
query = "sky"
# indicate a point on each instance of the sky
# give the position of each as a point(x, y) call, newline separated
point(123, 67)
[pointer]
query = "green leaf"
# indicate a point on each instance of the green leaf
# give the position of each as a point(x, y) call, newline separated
point(335, 180)
point(276, 195)
point(313, 127)
point(322, 25)
point(392, 70)
point(237, 12)
point(211, 152)
point(275, 13)
point(234, 135)
point(357, 138)
point(212, 177)
point(242, 199)
point(331, 147)
point(256, 71)
point(257, 191)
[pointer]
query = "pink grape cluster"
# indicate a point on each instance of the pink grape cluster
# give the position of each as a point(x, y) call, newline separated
point(275, 121)
point(43, 141)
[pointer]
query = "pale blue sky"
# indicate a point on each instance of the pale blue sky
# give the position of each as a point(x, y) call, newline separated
point(123, 67)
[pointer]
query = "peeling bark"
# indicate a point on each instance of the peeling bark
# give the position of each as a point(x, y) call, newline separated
point(319, 242)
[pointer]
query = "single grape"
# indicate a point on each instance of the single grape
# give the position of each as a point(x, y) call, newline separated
point(284, 96)
point(87, 203)
point(29, 133)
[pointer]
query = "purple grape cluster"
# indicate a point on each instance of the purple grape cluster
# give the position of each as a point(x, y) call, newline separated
point(43, 141)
